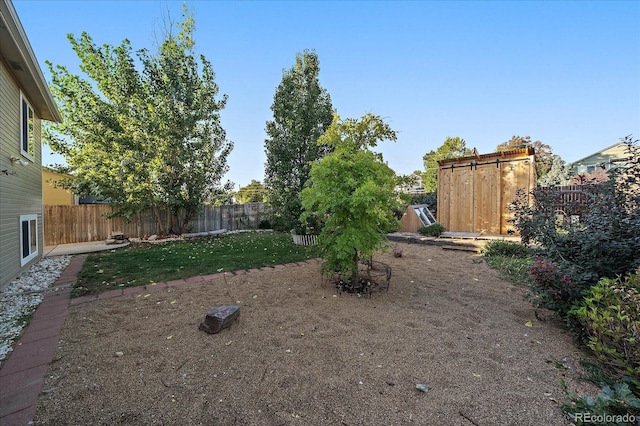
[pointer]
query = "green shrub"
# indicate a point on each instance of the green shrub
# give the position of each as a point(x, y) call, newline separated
point(507, 248)
point(605, 242)
point(264, 224)
point(434, 230)
point(552, 289)
point(430, 199)
point(610, 317)
point(615, 405)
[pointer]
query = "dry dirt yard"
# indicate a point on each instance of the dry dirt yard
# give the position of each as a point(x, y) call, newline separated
point(301, 354)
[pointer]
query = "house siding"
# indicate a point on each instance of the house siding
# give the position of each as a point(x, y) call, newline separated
point(601, 158)
point(20, 193)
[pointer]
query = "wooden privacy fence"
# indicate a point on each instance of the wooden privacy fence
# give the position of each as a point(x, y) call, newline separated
point(85, 222)
point(570, 200)
point(570, 197)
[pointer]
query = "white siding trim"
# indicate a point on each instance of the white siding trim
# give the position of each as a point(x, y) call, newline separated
point(31, 118)
point(31, 234)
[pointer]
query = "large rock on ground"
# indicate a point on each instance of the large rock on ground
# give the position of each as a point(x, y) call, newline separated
point(219, 318)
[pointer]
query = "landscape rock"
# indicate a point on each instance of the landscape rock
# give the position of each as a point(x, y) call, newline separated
point(397, 250)
point(111, 241)
point(422, 388)
point(219, 318)
point(118, 235)
point(153, 237)
point(195, 234)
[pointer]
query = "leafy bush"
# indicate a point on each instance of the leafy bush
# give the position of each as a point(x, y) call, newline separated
point(264, 224)
point(605, 242)
point(430, 199)
point(552, 289)
point(434, 230)
point(616, 404)
point(506, 248)
point(610, 316)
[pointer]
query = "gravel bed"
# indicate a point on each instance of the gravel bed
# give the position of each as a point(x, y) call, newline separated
point(21, 297)
point(301, 353)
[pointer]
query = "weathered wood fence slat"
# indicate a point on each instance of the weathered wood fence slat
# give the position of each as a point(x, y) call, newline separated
point(569, 199)
point(572, 194)
point(86, 222)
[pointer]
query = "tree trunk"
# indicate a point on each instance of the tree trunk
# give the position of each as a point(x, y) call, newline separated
point(355, 275)
point(170, 221)
point(156, 213)
point(188, 214)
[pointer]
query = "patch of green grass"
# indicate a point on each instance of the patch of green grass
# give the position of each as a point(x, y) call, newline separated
point(141, 264)
point(595, 372)
point(512, 269)
point(510, 259)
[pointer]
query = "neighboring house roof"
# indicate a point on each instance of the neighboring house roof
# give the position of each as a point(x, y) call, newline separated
point(617, 150)
point(16, 51)
point(55, 174)
point(415, 188)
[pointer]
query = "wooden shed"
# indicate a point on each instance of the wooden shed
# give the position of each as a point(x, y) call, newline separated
point(415, 217)
point(474, 191)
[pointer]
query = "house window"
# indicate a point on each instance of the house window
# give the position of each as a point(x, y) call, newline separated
point(27, 138)
point(28, 238)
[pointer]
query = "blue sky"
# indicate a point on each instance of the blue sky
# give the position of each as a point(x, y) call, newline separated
point(564, 73)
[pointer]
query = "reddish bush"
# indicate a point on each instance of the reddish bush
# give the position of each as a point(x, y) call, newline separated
point(550, 288)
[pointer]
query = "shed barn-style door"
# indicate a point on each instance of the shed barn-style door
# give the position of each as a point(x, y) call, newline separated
point(486, 199)
point(474, 192)
point(462, 187)
point(473, 201)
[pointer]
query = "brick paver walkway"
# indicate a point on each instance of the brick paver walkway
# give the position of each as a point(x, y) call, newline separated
point(22, 373)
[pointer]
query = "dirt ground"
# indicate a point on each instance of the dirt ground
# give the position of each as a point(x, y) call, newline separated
point(302, 354)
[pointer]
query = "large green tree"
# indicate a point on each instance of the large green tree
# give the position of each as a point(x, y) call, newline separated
point(255, 192)
point(302, 112)
point(559, 173)
point(352, 190)
point(451, 148)
point(143, 134)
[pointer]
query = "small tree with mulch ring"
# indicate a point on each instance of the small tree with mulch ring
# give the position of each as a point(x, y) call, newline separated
point(352, 191)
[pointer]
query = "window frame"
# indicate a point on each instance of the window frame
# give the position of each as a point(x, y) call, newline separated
point(27, 129)
point(31, 238)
